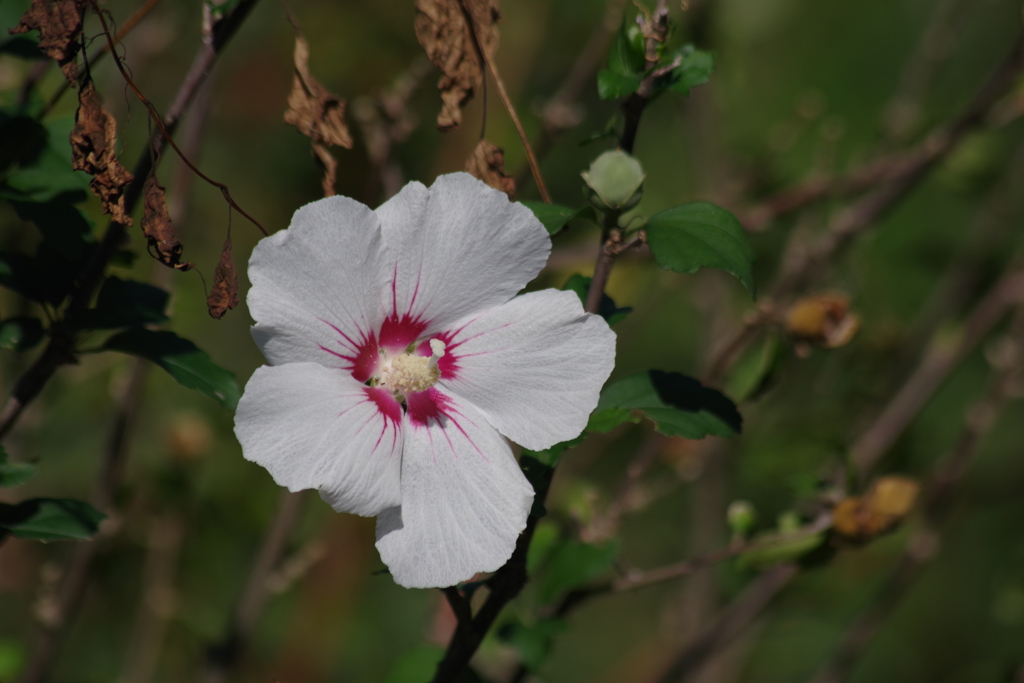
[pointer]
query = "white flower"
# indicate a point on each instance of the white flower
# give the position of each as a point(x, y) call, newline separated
point(399, 354)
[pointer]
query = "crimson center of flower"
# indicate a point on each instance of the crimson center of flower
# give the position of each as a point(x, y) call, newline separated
point(407, 373)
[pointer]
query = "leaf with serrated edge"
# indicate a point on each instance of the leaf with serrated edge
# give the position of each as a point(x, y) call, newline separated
point(699, 235)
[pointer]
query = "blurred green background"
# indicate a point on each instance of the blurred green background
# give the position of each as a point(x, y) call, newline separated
point(801, 88)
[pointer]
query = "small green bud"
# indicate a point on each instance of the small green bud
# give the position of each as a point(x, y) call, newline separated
point(741, 517)
point(614, 182)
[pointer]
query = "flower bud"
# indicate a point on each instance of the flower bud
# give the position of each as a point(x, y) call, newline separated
point(741, 517)
point(614, 182)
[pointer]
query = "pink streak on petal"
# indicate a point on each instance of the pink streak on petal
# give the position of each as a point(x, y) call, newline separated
point(362, 356)
point(400, 330)
point(390, 408)
point(431, 405)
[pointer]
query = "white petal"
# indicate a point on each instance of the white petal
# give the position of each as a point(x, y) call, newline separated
point(534, 366)
point(464, 498)
point(318, 287)
point(458, 248)
point(317, 428)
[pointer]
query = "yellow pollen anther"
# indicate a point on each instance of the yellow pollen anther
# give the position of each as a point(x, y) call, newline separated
point(407, 373)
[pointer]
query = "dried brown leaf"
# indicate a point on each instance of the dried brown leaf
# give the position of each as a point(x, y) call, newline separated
point(487, 162)
point(59, 23)
point(330, 165)
point(446, 36)
point(314, 110)
point(224, 294)
point(157, 227)
point(887, 503)
point(823, 320)
point(94, 150)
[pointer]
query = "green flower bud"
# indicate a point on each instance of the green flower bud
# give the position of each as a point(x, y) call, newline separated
point(614, 182)
point(741, 517)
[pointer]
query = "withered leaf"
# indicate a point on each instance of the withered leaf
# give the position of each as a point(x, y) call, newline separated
point(317, 113)
point(156, 226)
point(224, 294)
point(887, 503)
point(823, 320)
point(94, 150)
point(59, 23)
point(487, 162)
point(448, 39)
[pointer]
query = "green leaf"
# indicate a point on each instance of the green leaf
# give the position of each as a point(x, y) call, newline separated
point(752, 375)
point(123, 303)
point(182, 359)
point(552, 216)
point(50, 175)
point(22, 140)
point(14, 474)
point(46, 277)
point(21, 333)
point(50, 519)
point(575, 563)
point(679, 405)
point(613, 86)
point(626, 56)
point(22, 46)
point(607, 310)
point(606, 420)
point(772, 548)
point(699, 235)
point(546, 537)
point(533, 643)
point(62, 224)
point(694, 69)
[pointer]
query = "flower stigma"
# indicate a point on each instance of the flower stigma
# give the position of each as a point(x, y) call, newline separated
point(407, 373)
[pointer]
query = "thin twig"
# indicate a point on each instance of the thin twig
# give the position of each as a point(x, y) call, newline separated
point(944, 355)
point(904, 168)
point(158, 120)
point(493, 69)
point(61, 348)
point(77, 575)
point(139, 15)
point(223, 656)
point(1004, 382)
point(732, 621)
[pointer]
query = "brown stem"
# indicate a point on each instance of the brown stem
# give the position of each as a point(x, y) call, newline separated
point(158, 120)
point(223, 656)
point(898, 168)
point(61, 349)
point(139, 15)
point(731, 622)
point(76, 577)
point(934, 368)
point(939, 496)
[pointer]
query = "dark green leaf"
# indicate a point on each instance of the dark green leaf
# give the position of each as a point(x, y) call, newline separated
point(46, 277)
point(753, 372)
point(552, 216)
point(124, 303)
point(607, 310)
point(63, 226)
point(679, 405)
point(698, 235)
point(50, 174)
point(772, 548)
point(575, 563)
point(22, 141)
point(626, 57)
point(533, 643)
point(613, 86)
point(50, 519)
point(694, 69)
point(22, 46)
point(606, 420)
point(185, 362)
point(21, 333)
point(13, 474)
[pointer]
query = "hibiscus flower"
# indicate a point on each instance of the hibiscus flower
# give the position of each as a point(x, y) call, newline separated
point(400, 354)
